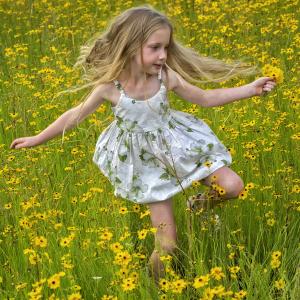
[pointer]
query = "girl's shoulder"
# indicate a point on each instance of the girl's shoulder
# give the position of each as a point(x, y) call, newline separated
point(110, 92)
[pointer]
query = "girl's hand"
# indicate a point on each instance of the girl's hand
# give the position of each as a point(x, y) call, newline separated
point(262, 85)
point(25, 142)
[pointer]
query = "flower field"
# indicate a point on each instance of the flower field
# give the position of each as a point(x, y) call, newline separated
point(63, 233)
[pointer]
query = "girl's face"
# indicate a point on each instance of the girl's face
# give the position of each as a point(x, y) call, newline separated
point(154, 51)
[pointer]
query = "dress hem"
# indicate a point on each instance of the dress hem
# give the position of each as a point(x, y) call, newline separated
point(185, 184)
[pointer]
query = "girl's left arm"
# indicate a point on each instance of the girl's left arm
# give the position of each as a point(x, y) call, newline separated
point(222, 96)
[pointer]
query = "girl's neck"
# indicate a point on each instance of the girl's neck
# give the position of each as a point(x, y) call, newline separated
point(134, 79)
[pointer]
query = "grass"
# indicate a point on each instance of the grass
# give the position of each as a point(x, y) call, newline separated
point(54, 192)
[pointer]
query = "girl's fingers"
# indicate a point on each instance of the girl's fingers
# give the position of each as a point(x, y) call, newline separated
point(16, 142)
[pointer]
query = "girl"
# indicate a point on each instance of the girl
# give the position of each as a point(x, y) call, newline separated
point(151, 152)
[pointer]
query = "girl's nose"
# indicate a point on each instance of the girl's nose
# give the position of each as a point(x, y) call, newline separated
point(163, 54)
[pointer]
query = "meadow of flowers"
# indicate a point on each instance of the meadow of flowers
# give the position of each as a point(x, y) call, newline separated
point(63, 234)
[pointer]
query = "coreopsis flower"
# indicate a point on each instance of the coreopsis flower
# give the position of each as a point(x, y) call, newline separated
point(74, 296)
point(276, 255)
point(178, 285)
point(164, 284)
point(275, 263)
point(116, 247)
point(122, 258)
point(142, 234)
point(240, 295)
point(243, 194)
point(200, 281)
point(279, 284)
point(40, 241)
point(217, 273)
point(273, 72)
point(128, 284)
point(54, 280)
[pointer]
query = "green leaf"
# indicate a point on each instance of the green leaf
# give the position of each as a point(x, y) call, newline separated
point(164, 176)
point(122, 157)
point(210, 146)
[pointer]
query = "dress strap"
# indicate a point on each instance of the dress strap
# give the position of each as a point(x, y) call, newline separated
point(119, 86)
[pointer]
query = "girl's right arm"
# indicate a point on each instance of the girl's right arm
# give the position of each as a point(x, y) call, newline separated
point(66, 121)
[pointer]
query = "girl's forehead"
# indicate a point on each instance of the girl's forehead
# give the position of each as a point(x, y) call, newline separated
point(161, 35)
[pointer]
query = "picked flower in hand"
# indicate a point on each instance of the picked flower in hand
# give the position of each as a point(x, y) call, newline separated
point(273, 72)
point(262, 85)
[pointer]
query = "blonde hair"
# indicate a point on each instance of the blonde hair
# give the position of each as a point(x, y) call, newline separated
point(103, 58)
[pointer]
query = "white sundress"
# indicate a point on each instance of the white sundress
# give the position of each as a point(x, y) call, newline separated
point(151, 152)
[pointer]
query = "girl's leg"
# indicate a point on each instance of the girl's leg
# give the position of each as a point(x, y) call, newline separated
point(226, 179)
point(163, 220)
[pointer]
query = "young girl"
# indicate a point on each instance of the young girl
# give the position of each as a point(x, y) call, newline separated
point(151, 152)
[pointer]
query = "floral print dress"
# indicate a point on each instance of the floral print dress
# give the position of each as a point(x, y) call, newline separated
point(151, 152)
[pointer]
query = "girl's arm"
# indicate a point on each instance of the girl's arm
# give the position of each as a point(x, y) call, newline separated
point(66, 121)
point(73, 116)
point(217, 97)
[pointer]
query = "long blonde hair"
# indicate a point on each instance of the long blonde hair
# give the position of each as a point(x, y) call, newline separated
point(103, 58)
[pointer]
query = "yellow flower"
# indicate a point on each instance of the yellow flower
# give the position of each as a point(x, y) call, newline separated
point(271, 222)
point(21, 286)
point(142, 234)
point(273, 72)
point(200, 281)
point(128, 284)
point(123, 210)
point(116, 247)
point(153, 229)
point(219, 290)
point(65, 242)
point(144, 214)
point(208, 294)
point(166, 257)
point(243, 195)
point(275, 263)
point(234, 269)
point(34, 258)
point(279, 284)
point(164, 284)
point(222, 191)
point(178, 285)
point(108, 297)
point(8, 206)
point(122, 258)
point(250, 185)
point(123, 272)
point(196, 183)
point(296, 189)
point(217, 273)
point(75, 296)
point(106, 235)
point(136, 208)
point(231, 150)
point(240, 295)
point(40, 241)
point(276, 255)
point(54, 282)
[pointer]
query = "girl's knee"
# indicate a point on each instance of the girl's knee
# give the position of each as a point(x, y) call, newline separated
point(233, 186)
